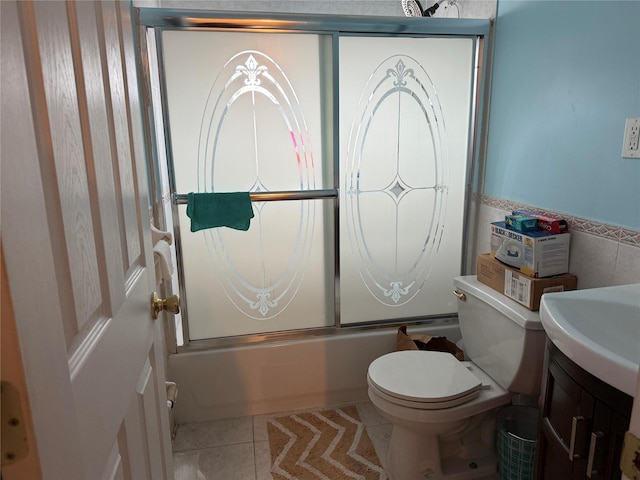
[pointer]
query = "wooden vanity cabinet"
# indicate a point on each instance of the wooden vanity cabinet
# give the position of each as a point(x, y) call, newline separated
point(582, 424)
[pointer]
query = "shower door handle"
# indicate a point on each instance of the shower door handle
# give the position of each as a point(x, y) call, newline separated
point(170, 304)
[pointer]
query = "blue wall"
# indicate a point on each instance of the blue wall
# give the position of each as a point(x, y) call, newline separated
point(566, 74)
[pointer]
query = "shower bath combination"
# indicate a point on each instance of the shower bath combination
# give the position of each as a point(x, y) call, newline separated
point(249, 367)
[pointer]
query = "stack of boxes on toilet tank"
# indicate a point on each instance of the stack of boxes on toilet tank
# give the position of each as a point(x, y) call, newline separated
point(529, 256)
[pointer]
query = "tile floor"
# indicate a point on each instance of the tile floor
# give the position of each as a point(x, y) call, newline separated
point(238, 448)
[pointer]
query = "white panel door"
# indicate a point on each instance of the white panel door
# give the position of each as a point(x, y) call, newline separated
point(77, 244)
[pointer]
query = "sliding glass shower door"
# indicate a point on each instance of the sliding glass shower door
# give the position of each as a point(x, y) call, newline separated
point(404, 142)
point(359, 146)
point(245, 113)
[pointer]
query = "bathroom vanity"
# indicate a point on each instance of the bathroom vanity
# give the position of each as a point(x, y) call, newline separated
point(583, 423)
point(591, 367)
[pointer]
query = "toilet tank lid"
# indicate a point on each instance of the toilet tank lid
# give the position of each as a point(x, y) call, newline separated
point(524, 317)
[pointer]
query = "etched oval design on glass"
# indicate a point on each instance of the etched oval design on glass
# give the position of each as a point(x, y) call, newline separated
point(396, 180)
point(254, 138)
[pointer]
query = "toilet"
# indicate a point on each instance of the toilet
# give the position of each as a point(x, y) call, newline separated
point(443, 410)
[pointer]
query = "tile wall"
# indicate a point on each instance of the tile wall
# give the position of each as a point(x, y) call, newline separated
point(462, 9)
point(600, 255)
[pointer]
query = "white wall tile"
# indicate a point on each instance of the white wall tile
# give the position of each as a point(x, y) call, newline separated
point(331, 7)
point(477, 8)
point(276, 6)
point(627, 268)
point(592, 259)
point(465, 8)
point(146, 3)
point(387, 8)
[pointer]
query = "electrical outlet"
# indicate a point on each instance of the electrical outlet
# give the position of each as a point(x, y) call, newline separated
point(631, 142)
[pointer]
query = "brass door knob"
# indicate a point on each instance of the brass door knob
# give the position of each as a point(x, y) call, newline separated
point(171, 304)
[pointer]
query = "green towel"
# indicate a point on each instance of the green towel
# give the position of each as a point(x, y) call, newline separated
point(210, 210)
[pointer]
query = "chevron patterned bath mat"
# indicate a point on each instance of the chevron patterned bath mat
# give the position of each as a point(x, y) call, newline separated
point(325, 445)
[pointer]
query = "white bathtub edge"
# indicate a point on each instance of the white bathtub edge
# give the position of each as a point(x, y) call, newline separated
point(283, 376)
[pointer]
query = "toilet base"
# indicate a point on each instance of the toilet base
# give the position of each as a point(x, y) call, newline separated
point(457, 443)
point(466, 451)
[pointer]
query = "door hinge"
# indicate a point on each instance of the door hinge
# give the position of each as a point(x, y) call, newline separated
point(14, 433)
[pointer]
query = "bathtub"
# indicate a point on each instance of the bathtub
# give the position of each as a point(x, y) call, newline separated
point(263, 378)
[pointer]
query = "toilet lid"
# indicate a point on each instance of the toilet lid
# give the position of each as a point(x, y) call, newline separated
point(423, 376)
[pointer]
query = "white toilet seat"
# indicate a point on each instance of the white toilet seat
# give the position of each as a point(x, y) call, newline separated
point(423, 379)
point(426, 405)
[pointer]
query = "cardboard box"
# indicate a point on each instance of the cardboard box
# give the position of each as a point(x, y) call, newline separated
point(537, 254)
point(523, 289)
point(546, 222)
point(521, 223)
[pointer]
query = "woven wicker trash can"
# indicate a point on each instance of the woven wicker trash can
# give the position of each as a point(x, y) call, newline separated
point(516, 442)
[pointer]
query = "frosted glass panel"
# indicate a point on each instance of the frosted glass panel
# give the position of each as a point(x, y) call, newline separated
point(245, 115)
point(404, 124)
point(252, 111)
point(268, 279)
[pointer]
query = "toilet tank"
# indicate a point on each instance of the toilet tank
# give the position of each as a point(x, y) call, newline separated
point(500, 336)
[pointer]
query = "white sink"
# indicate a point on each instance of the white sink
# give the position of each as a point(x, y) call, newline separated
point(599, 329)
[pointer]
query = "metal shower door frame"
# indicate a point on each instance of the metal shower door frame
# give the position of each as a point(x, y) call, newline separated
point(156, 20)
